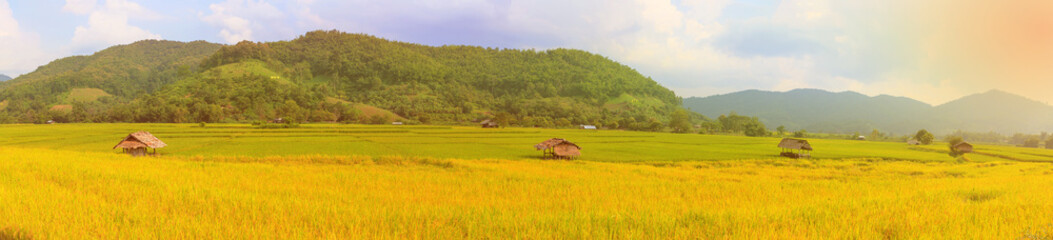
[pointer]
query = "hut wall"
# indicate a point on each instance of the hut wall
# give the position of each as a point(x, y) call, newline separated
point(137, 151)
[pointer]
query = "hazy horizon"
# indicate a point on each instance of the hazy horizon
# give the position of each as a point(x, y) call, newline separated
point(932, 51)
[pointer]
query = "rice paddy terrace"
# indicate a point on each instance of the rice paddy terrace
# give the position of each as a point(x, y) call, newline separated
point(439, 182)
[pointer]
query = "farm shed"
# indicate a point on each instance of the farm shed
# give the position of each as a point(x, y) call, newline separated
point(795, 148)
point(913, 142)
point(136, 144)
point(558, 148)
point(588, 127)
point(964, 147)
point(489, 124)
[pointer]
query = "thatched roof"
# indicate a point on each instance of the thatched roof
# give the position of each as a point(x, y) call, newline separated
point(798, 144)
point(560, 147)
point(551, 143)
point(567, 149)
point(964, 147)
point(140, 139)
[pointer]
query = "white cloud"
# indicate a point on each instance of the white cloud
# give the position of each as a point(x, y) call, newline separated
point(21, 49)
point(307, 19)
point(240, 19)
point(108, 25)
point(80, 7)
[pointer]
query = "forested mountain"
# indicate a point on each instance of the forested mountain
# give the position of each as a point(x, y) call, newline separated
point(848, 112)
point(335, 76)
point(4, 77)
point(99, 82)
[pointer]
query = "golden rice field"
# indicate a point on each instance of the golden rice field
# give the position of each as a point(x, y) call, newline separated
point(72, 190)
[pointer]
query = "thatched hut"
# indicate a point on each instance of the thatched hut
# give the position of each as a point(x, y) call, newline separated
point(137, 143)
point(489, 124)
point(964, 147)
point(795, 148)
point(558, 148)
point(913, 142)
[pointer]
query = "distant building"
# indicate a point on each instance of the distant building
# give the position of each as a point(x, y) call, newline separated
point(50, 122)
point(913, 142)
point(964, 147)
point(278, 120)
point(795, 148)
point(558, 148)
point(136, 144)
point(588, 127)
point(489, 124)
point(396, 123)
point(861, 138)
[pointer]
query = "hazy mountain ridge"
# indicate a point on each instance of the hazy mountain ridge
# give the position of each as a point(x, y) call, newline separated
point(847, 112)
point(4, 77)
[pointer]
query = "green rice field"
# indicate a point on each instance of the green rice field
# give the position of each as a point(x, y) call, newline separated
point(466, 143)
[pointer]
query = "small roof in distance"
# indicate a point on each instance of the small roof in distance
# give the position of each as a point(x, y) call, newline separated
point(793, 143)
point(144, 137)
point(553, 143)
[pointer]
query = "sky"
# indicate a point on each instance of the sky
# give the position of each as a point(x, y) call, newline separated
point(930, 50)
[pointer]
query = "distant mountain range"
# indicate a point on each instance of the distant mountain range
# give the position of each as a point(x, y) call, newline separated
point(848, 112)
point(4, 77)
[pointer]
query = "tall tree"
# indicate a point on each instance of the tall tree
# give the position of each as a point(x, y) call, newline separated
point(1032, 142)
point(680, 121)
point(876, 135)
point(924, 137)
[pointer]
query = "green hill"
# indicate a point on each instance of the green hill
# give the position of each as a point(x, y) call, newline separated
point(454, 83)
point(126, 72)
point(335, 76)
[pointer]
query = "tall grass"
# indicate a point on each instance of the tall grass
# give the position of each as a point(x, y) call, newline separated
point(55, 194)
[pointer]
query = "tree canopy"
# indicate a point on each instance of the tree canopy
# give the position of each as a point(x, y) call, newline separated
point(336, 76)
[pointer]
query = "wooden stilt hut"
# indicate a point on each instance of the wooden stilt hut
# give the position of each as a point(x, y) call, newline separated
point(558, 148)
point(795, 148)
point(137, 144)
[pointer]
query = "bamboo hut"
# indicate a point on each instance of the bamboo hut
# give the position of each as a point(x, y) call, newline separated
point(489, 124)
point(137, 144)
point(795, 148)
point(558, 148)
point(964, 147)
